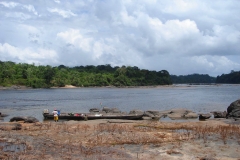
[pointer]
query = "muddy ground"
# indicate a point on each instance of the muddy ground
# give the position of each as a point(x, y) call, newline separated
point(217, 139)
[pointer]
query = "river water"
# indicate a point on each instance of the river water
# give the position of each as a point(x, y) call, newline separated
point(198, 98)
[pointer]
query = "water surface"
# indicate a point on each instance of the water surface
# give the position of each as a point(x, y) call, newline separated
point(199, 98)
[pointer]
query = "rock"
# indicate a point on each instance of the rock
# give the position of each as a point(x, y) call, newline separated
point(25, 119)
point(10, 126)
point(233, 111)
point(106, 109)
point(136, 112)
point(191, 115)
point(93, 110)
point(205, 116)
point(31, 120)
point(219, 114)
point(115, 110)
point(181, 113)
point(174, 116)
point(110, 110)
point(152, 113)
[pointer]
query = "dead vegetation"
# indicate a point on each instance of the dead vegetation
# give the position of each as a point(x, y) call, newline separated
point(104, 140)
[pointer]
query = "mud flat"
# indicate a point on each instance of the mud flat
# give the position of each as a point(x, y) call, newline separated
point(119, 139)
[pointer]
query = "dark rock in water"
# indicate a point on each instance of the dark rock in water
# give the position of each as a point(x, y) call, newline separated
point(136, 112)
point(219, 114)
point(10, 126)
point(93, 110)
point(25, 119)
point(205, 116)
point(233, 111)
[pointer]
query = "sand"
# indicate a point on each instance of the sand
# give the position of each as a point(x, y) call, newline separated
point(122, 139)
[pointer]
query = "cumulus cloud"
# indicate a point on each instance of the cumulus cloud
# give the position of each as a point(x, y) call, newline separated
point(181, 36)
point(27, 55)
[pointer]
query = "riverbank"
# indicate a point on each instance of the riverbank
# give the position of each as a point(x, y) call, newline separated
point(20, 87)
point(118, 139)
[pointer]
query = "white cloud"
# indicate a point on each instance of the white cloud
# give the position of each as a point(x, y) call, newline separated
point(181, 36)
point(27, 55)
point(74, 37)
point(63, 13)
point(31, 8)
point(12, 5)
point(9, 4)
point(57, 1)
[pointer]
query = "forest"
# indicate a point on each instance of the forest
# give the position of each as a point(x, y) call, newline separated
point(40, 76)
point(231, 78)
point(192, 78)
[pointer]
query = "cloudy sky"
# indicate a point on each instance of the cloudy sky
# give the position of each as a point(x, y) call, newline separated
point(180, 36)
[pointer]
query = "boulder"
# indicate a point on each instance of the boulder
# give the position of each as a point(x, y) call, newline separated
point(219, 114)
point(152, 113)
point(181, 113)
point(25, 119)
point(174, 116)
point(115, 110)
point(205, 116)
point(233, 111)
point(191, 115)
point(106, 109)
point(111, 110)
point(136, 112)
point(10, 126)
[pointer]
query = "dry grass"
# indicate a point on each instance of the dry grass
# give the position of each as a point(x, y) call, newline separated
point(96, 141)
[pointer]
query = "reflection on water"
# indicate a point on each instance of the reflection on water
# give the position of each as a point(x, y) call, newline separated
point(200, 99)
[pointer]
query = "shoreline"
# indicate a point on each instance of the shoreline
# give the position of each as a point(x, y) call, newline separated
point(20, 87)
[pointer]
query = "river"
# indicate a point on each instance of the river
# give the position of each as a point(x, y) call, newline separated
point(198, 98)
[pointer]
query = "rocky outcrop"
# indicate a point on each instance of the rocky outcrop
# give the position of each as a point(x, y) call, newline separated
point(136, 112)
point(181, 113)
point(191, 115)
point(110, 110)
point(153, 114)
point(219, 114)
point(204, 116)
point(233, 110)
point(25, 119)
point(10, 126)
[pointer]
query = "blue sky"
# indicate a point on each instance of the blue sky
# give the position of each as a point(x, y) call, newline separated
point(180, 36)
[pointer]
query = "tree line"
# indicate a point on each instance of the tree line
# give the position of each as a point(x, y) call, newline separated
point(231, 78)
point(41, 76)
point(192, 78)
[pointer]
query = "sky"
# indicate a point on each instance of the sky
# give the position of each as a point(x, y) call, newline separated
point(180, 36)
